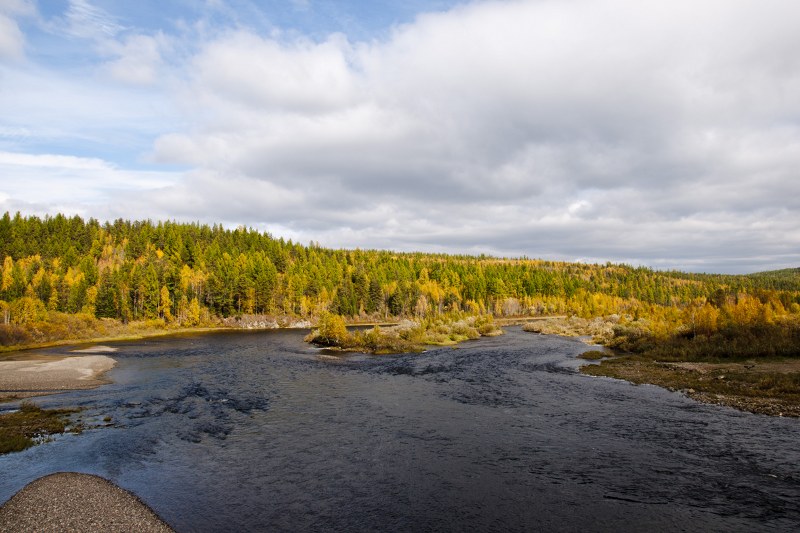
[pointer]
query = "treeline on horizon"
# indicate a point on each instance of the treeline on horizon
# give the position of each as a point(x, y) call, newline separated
point(187, 274)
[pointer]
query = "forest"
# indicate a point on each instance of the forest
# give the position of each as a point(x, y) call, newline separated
point(66, 277)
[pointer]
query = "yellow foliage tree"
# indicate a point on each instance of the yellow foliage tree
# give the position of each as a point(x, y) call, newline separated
point(27, 310)
point(91, 300)
point(8, 276)
point(706, 320)
point(165, 305)
point(193, 315)
point(331, 330)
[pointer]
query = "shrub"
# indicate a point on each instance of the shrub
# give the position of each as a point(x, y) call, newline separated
point(331, 331)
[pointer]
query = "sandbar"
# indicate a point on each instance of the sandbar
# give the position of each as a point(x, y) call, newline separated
point(50, 374)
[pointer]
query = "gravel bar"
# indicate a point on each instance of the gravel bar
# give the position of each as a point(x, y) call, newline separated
point(68, 501)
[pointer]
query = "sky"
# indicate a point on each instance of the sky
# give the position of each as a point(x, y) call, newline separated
point(664, 134)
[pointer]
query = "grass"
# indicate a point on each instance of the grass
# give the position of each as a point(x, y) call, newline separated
point(593, 355)
point(31, 424)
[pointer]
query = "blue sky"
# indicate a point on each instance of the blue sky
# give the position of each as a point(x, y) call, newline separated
point(592, 130)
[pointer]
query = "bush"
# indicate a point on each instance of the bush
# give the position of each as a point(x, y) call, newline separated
point(331, 331)
point(593, 355)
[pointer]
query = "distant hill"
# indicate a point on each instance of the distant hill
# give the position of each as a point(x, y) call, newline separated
point(787, 279)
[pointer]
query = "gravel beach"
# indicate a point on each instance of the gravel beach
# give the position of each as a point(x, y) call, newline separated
point(68, 501)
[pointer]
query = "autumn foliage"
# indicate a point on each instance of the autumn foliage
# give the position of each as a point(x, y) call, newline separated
point(63, 277)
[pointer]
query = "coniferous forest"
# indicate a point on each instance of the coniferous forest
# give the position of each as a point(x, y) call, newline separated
point(66, 277)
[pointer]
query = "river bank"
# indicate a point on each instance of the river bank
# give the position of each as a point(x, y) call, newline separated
point(94, 338)
point(769, 386)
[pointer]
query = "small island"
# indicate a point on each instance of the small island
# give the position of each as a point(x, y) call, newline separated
point(408, 336)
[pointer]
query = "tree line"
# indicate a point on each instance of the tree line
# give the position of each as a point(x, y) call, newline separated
point(189, 273)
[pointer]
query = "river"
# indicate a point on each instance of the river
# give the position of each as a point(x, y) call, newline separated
point(249, 431)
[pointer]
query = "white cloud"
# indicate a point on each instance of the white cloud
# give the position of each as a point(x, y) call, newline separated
point(138, 59)
point(52, 161)
point(248, 71)
point(49, 180)
point(665, 134)
point(12, 42)
point(18, 7)
point(86, 21)
point(41, 107)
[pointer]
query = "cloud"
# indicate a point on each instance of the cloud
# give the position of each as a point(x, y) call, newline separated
point(47, 183)
point(137, 59)
point(54, 111)
point(12, 40)
point(86, 21)
point(664, 134)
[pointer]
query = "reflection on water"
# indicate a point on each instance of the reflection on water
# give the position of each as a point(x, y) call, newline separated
point(254, 431)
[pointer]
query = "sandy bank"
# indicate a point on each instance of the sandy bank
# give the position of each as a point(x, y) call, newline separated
point(96, 350)
point(77, 502)
point(44, 375)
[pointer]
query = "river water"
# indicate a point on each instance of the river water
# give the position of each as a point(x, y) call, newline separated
point(259, 431)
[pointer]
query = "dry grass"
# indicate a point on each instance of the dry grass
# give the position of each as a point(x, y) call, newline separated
point(600, 329)
point(594, 355)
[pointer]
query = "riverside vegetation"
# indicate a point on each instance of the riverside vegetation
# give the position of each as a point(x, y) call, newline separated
point(737, 353)
point(66, 278)
point(408, 336)
point(24, 428)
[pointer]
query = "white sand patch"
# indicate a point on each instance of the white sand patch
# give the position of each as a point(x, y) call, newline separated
point(84, 367)
point(60, 374)
point(97, 349)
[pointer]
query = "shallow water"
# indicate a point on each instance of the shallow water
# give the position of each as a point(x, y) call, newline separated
point(257, 431)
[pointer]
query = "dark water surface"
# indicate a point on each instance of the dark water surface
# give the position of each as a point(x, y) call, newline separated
point(257, 431)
